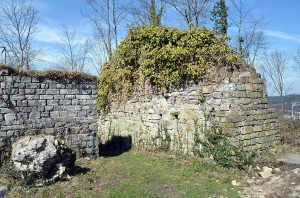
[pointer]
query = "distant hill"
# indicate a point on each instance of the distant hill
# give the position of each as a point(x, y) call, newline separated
point(273, 100)
point(291, 105)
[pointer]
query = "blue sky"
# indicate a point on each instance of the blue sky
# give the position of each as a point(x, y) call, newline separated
point(281, 27)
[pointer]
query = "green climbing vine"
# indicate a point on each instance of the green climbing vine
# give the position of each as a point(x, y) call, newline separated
point(164, 57)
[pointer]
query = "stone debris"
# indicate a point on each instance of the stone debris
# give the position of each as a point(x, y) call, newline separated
point(266, 172)
point(277, 170)
point(3, 191)
point(235, 183)
point(297, 188)
point(290, 159)
point(296, 171)
point(43, 157)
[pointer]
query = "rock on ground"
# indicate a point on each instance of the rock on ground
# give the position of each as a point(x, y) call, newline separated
point(291, 159)
point(43, 157)
point(3, 191)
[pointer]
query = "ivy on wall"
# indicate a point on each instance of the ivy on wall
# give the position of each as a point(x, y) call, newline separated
point(163, 57)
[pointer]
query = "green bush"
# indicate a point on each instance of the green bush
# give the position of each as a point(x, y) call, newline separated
point(163, 57)
point(216, 143)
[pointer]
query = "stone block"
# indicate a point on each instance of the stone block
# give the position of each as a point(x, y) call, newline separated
point(8, 79)
point(217, 95)
point(52, 91)
point(52, 102)
point(32, 97)
point(22, 103)
point(44, 86)
point(70, 96)
point(45, 114)
point(35, 114)
point(46, 97)
point(65, 102)
point(69, 91)
point(257, 128)
point(32, 103)
point(75, 102)
point(47, 123)
point(32, 85)
point(17, 97)
point(54, 114)
point(61, 86)
point(82, 113)
point(205, 90)
point(52, 85)
point(59, 97)
point(40, 91)
point(26, 79)
point(10, 117)
point(16, 78)
point(70, 86)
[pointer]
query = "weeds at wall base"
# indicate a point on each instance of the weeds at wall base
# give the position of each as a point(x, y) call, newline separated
point(216, 144)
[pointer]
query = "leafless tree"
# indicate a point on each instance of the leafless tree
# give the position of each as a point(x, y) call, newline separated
point(273, 67)
point(297, 60)
point(250, 40)
point(74, 53)
point(18, 23)
point(106, 16)
point(140, 11)
point(97, 55)
point(194, 12)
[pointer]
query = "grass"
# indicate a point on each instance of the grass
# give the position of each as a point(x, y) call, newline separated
point(140, 174)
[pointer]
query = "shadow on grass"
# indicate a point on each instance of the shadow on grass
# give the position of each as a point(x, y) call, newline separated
point(78, 170)
point(116, 146)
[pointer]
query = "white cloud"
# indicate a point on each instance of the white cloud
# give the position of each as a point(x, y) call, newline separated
point(48, 34)
point(54, 35)
point(283, 35)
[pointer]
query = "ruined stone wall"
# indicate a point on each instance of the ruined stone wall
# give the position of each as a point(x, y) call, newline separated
point(31, 105)
point(238, 105)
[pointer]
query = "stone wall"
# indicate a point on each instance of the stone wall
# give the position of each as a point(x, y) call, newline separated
point(31, 104)
point(238, 105)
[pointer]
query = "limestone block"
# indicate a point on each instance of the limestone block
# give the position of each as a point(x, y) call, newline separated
point(52, 102)
point(17, 97)
point(35, 114)
point(47, 122)
point(70, 86)
point(52, 85)
point(65, 102)
point(83, 97)
point(32, 97)
point(257, 128)
point(69, 91)
point(46, 97)
point(217, 95)
point(52, 91)
point(49, 131)
point(60, 86)
point(22, 103)
point(54, 114)
point(10, 117)
point(70, 96)
point(43, 157)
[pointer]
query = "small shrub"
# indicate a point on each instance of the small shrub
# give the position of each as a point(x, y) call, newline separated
point(5, 150)
point(216, 143)
point(24, 178)
point(165, 139)
point(290, 131)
